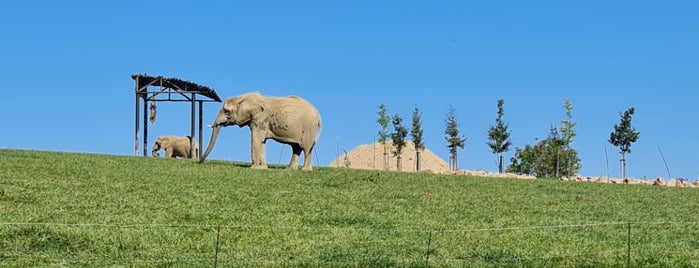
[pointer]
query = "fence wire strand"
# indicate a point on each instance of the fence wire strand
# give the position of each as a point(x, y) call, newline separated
point(306, 228)
point(433, 237)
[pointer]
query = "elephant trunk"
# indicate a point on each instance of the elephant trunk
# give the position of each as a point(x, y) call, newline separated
point(212, 142)
point(154, 152)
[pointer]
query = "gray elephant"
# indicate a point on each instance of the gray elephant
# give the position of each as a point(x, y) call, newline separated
point(175, 147)
point(289, 120)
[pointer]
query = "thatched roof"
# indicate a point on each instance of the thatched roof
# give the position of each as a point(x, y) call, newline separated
point(176, 84)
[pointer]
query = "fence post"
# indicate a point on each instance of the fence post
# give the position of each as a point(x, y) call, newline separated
point(628, 245)
point(427, 254)
point(218, 235)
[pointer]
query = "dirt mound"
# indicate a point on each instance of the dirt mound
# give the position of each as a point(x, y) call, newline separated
point(370, 156)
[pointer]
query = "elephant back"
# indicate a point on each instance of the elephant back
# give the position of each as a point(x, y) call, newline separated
point(297, 110)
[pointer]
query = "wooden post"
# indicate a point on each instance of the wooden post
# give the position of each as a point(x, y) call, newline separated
point(191, 127)
point(201, 123)
point(137, 114)
point(427, 253)
point(145, 123)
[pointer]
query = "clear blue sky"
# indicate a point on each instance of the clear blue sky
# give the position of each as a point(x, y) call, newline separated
point(66, 66)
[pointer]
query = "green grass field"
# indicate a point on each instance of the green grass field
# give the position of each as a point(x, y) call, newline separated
point(84, 210)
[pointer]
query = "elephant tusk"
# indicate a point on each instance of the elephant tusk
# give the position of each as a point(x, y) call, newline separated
point(209, 126)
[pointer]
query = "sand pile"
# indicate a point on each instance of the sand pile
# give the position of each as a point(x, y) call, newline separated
point(370, 156)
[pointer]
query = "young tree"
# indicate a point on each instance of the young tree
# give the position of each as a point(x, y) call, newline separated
point(383, 121)
point(567, 131)
point(416, 133)
point(454, 140)
point(542, 159)
point(553, 156)
point(398, 135)
point(623, 136)
point(567, 135)
point(499, 136)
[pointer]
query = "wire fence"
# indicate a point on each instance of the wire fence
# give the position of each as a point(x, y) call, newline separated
point(620, 244)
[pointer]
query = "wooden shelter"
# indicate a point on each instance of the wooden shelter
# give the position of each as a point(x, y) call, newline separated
point(158, 89)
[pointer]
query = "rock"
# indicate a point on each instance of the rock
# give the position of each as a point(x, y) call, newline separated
point(659, 182)
point(671, 183)
point(646, 182)
point(679, 183)
point(632, 181)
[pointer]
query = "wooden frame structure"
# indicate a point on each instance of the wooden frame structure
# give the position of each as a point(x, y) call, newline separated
point(174, 90)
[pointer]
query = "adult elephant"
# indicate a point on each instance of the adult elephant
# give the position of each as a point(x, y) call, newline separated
point(289, 120)
point(175, 147)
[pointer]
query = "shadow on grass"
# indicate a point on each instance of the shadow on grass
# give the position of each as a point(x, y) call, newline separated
point(236, 164)
point(223, 163)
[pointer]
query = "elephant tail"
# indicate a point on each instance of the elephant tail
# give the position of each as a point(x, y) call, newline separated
point(196, 150)
point(319, 129)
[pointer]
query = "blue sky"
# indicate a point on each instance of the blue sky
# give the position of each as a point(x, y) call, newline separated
point(66, 70)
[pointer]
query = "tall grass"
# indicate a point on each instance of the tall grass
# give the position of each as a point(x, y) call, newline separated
point(63, 209)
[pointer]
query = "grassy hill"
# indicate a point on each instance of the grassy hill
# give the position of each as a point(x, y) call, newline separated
point(64, 209)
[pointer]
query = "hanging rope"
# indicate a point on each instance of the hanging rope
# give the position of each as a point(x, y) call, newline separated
point(152, 112)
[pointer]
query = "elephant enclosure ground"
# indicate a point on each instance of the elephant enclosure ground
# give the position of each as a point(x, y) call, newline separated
point(87, 210)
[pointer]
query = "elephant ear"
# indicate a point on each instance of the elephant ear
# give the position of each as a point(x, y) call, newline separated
point(251, 107)
point(164, 142)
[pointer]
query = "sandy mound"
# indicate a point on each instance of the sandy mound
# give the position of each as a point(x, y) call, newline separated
point(370, 156)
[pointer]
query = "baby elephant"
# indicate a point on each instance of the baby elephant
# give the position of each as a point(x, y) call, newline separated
point(175, 147)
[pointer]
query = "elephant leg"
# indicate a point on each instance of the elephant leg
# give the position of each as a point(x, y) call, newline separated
point(258, 151)
point(307, 158)
point(262, 158)
point(168, 152)
point(177, 152)
point(296, 151)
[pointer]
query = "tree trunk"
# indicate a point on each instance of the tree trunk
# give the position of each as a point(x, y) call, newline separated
point(555, 171)
point(398, 163)
point(385, 160)
point(456, 162)
point(623, 166)
point(417, 160)
point(500, 163)
point(453, 162)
